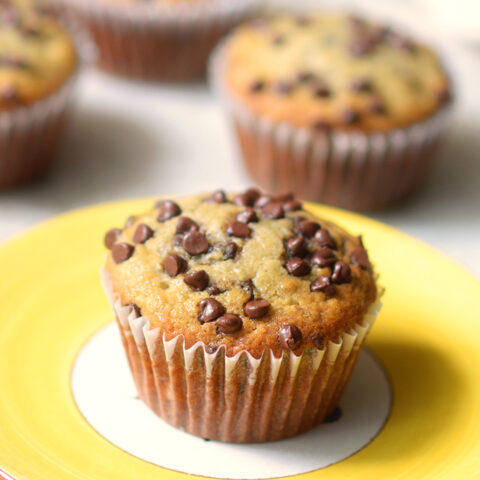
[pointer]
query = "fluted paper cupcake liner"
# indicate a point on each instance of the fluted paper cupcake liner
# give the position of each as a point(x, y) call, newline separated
point(158, 41)
point(29, 135)
point(239, 398)
point(357, 171)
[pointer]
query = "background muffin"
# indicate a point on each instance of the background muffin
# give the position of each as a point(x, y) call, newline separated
point(168, 40)
point(339, 110)
point(241, 296)
point(38, 60)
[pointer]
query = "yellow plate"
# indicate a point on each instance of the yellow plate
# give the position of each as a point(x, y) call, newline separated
point(427, 337)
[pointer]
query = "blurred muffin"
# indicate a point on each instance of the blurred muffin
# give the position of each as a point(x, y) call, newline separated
point(38, 60)
point(241, 315)
point(333, 107)
point(166, 40)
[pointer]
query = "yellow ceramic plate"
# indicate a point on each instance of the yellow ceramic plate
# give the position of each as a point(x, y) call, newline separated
point(427, 337)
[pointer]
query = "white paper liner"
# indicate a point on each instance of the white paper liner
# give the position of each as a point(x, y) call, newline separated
point(239, 398)
point(30, 134)
point(159, 41)
point(359, 171)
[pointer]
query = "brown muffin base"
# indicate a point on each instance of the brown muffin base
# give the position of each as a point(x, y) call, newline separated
point(236, 399)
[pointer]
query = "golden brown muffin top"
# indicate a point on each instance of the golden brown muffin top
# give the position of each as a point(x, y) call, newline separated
point(36, 54)
point(246, 271)
point(327, 70)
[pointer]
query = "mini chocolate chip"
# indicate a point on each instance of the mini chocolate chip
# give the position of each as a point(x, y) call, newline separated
point(361, 84)
point(122, 252)
point(321, 91)
point(167, 210)
point(230, 251)
point(324, 239)
point(214, 290)
point(197, 280)
point(348, 116)
point(142, 233)
point(195, 243)
point(273, 210)
point(283, 88)
point(247, 199)
point(248, 287)
point(279, 39)
point(135, 308)
point(359, 257)
point(130, 221)
point(321, 126)
point(238, 229)
point(111, 237)
point(174, 264)
point(263, 200)
point(323, 284)
point(292, 206)
point(229, 323)
point(290, 337)
point(257, 308)
point(375, 105)
point(341, 273)
point(209, 310)
point(218, 196)
point(308, 228)
point(257, 86)
point(334, 416)
point(185, 224)
point(324, 257)
point(298, 267)
point(361, 46)
point(297, 247)
point(306, 77)
point(247, 216)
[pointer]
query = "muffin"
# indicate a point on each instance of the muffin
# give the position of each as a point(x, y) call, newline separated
point(165, 40)
point(241, 315)
point(38, 61)
point(332, 107)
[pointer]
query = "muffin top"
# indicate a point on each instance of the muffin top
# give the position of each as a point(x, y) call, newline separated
point(36, 54)
point(339, 71)
point(246, 271)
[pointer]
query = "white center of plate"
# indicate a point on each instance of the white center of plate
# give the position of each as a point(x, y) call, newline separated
point(105, 395)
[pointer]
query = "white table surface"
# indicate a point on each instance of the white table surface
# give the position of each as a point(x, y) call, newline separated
point(130, 139)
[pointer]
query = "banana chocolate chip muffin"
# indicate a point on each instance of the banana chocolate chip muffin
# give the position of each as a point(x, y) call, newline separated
point(37, 61)
point(336, 108)
point(241, 315)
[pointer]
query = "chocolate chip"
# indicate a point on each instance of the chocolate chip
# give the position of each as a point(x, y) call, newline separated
point(308, 228)
point(297, 247)
point(263, 200)
point(348, 116)
point(341, 273)
point(359, 257)
point(167, 210)
point(256, 308)
point(361, 84)
point(238, 229)
point(218, 196)
point(209, 310)
point(361, 46)
point(292, 206)
point(306, 77)
point(135, 308)
point(130, 221)
point(323, 284)
point(283, 88)
point(321, 126)
point(297, 267)
point(334, 416)
point(214, 290)
point(184, 225)
point(174, 264)
point(247, 216)
point(229, 323)
point(375, 105)
point(111, 237)
point(142, 233)
point(197, 280)
point(230, 250)
point(195, 243)
point(257, 86)
point(247, 199)
point(273, 210)
point(248, 287)
point(290, 337)
point(324, 239)
point(324, 257)
point(122, 252)
point(284, 197)
point(321, 91)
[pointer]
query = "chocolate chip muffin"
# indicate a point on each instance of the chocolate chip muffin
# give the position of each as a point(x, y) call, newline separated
point(336, 108)
point(38, 60)
point(254, 305)
point(164, 40)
